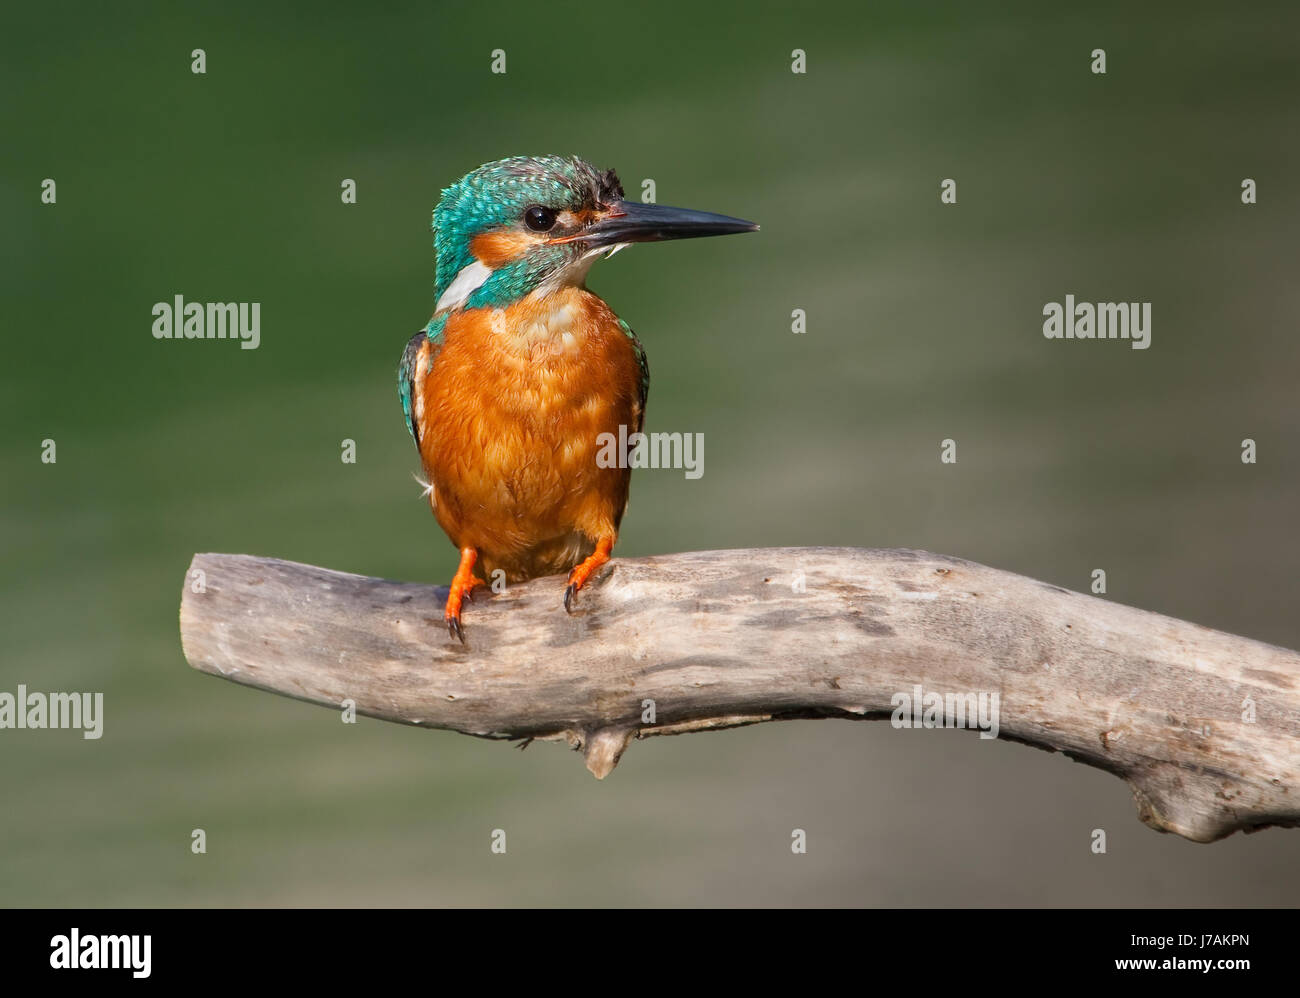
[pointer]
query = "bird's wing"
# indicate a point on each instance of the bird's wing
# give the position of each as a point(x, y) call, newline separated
point(644, 384)
point(417, 360)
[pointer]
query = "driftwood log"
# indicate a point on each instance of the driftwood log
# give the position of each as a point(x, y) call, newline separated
point(1203, 725)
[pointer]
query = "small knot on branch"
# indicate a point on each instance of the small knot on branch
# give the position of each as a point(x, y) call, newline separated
point(604, 747)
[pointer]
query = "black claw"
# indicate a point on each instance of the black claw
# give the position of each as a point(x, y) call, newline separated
point(454, 628)
point(568, 598)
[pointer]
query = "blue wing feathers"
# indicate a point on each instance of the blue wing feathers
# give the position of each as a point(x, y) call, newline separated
point(429, 338)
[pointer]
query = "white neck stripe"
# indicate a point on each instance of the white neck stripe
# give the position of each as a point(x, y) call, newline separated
point(469, 280)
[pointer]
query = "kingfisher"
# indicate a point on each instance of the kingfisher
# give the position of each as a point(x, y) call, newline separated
point(512, 385)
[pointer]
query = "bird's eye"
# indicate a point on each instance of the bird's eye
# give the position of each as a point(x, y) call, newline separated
point(539, 219)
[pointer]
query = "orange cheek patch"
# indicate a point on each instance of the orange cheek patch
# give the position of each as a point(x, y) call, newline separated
point(495, 249)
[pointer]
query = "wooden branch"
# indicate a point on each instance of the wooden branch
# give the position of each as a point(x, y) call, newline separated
point(1205, 726)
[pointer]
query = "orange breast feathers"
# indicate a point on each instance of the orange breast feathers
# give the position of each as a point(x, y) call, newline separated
point(510, 415)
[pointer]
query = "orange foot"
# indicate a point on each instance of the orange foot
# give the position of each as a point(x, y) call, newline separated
point(586, 569)
point(462, 588)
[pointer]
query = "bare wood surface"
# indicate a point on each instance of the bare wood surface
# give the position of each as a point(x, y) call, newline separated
point(1204, 726)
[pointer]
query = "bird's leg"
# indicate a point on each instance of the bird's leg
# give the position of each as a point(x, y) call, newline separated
point(462, 586)
point(586, 569)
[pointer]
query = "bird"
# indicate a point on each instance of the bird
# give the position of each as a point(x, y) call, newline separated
point(509, 387)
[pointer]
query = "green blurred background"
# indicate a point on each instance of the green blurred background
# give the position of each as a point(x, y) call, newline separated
point(924, 322)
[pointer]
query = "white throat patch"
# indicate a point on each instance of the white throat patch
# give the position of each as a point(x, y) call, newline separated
point(576, 272)
point(473, 277)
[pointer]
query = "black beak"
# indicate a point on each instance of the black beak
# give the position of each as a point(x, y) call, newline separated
point(631, 222)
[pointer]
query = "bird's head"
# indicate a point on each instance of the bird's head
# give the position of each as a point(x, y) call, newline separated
point(519, 224)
